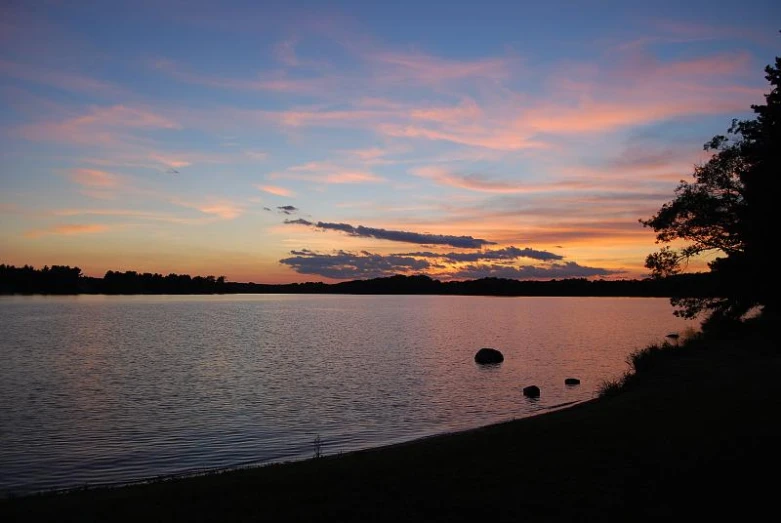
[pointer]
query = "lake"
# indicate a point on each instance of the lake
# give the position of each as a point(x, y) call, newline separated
point(113, 389)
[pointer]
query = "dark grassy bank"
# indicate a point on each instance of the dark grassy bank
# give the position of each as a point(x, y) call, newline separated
point(694, 434)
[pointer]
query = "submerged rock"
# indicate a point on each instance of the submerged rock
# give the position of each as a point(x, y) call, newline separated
point(532, 391)
point(572, 381)
point(488, 355)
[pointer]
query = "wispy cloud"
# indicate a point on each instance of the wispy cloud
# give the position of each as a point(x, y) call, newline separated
point(325, 173)
point(100, 125)
point(275, 190)
point(285, 52)
point(225, 209)
point(273, 81)
point(172, 162)
point(154, 216)
point(94, 178)
point(64, 80)
point(67, 230)
point(474, 182)
point(256, 155)
point(429, 69)
point(465, 111)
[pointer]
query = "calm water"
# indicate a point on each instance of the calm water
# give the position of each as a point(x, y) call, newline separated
point(97, 389)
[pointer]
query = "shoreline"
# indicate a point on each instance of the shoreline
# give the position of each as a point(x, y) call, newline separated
point(10, 494)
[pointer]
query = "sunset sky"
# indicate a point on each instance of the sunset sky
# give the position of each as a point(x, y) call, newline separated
point(294, 141)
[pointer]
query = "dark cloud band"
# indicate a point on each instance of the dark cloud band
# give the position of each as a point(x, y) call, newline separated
point(530, 272)
point(508, 253)
point(343, 265)
point(463, 242)
point(346, 265)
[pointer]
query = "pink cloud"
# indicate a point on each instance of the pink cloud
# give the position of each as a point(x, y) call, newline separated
point(171, 162)
point(466, 110)
point(429, 69)
point(67, 230)
point(94, 178)
point(351, 177)
point(326, 172)
point(104, 125)
point(124, 116)
point(370, 154)
point(501, 138)
point(276, 190)
point(632, 89)
point(641, 90)
point(296, 118)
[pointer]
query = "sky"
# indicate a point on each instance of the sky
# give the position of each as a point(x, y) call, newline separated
point(313, 141)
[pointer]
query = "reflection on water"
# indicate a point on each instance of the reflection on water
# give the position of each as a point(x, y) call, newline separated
point(112, 389)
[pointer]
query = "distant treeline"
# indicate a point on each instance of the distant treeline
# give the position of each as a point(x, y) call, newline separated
point(69, 280)
point(59, 279)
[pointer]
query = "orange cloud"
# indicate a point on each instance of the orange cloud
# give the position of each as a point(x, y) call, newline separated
point(134, 213)
point(224, 209)
point(67, 230)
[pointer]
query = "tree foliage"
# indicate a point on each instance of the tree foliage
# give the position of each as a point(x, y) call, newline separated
point(729, 208)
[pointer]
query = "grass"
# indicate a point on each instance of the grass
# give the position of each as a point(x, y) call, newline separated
point(690, 434)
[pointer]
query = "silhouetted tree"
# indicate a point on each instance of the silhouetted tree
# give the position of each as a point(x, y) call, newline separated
point(730, 208)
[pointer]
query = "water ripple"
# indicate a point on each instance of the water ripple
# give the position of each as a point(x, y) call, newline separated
point(102, 390)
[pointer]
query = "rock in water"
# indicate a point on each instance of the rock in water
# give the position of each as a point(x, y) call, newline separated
point(487, 355)
point(572, 381)
point(532, 391)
